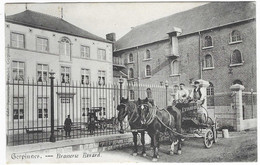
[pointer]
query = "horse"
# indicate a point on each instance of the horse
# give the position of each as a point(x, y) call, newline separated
point(158, 121)
point(130, 108)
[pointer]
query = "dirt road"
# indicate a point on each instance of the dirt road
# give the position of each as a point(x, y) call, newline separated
point(240, 147)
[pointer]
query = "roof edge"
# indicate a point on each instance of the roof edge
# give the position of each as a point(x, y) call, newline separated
point(223, 25)
point(59, 31)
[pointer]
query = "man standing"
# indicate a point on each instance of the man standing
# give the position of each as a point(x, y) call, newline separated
point(67, 126)
point(199, 98)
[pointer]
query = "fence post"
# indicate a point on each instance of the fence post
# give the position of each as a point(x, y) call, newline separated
point(237, 89)
point(52, 137)
point(121, 80)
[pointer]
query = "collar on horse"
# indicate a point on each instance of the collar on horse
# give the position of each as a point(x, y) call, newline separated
point(127, 112)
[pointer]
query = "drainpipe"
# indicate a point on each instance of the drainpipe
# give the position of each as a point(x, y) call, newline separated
point(138, 74)
point(200, 63)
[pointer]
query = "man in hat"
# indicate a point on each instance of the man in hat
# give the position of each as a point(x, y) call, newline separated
point(67, 125)
point(199, 98)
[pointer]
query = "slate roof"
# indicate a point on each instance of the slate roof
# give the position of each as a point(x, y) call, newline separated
point(47, 22)
point(200, 18)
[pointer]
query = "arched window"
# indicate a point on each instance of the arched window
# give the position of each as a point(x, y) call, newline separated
point(175, 67)
point(149, 92)
point(65, 47)
point(148, 54)
point(237, 82)
point(207, 61)
point(131, 73)
point(148, 70)
point(210, 95)
point(131, 58)
point(208, 41)
point(210, 89)
point(235, 36)
point(236, 57)
point(132, 95)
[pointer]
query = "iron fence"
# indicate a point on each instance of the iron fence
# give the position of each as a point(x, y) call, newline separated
point(92, 108)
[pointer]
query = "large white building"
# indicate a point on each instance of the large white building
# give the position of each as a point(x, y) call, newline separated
point(36, 44)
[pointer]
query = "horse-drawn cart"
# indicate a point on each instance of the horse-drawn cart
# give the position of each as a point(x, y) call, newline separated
point(191, 122)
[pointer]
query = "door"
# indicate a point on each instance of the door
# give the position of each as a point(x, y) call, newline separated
point(66, 108)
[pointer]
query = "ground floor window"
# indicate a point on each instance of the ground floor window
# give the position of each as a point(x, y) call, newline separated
point(42, 107)
point(102, 103)
point(85, 106)
point(18, 108)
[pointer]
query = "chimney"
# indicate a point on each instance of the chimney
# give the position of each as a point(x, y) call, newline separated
point(111, 37)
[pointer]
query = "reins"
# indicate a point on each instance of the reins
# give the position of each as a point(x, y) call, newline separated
point(152, 115)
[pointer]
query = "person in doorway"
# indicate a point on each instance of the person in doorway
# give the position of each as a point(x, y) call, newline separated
point(67, 126)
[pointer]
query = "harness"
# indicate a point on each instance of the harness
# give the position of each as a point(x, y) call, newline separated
point(152, 116)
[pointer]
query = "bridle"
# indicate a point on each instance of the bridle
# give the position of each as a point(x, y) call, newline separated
point(128, 112)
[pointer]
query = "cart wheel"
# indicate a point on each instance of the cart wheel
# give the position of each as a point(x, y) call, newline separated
point(208, 138)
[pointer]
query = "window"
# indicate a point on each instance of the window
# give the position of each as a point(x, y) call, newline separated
point(210, 95)
point(102, 103)
point(148, 54)
point(18, 109)
point(131, 58)
point(101, 77)
point(149, 92)
point(101, 54)
point(42, 72)
point(85, 106)
point(237, 82)
point(131, 73)
point(236, 57)
point(18, 70)
point(175, 67)
point(42, 107)
point(132, 95)
point(207, 61)
point(42, 44)
point(85, 76)
point(148, 70)
point(84, 52)
point(17, 40)
point(235, 36)
point(210, 89)
point(65, 47)
point(65, 74)
point(208, 41)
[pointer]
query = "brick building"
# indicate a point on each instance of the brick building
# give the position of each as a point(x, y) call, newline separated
point(215, 42)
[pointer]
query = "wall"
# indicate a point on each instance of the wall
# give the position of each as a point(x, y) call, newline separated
point(31, 56)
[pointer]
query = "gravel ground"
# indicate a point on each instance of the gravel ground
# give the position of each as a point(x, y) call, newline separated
point(240, 147)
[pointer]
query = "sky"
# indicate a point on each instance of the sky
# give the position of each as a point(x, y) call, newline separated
point(103, 18)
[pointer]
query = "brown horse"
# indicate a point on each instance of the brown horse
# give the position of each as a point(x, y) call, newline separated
point(130, 108)
point(158, 121)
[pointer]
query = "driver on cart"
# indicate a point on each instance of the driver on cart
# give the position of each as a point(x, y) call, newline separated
point(198, 97)
point(181, 95)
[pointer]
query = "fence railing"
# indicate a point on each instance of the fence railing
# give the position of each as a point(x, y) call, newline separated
point(249, 100)
point(92, 109)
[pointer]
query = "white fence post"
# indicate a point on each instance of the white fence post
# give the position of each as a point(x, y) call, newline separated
point(237, 100)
